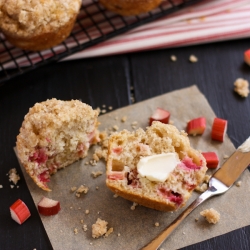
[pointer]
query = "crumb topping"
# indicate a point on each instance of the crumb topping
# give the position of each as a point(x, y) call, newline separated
point(28, 17)
point(241, 86)
point(211, 215)
point(99, 228)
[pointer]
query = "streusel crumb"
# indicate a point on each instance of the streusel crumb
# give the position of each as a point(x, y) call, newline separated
point(241, 86)
point(99, 228)
point(211, 215)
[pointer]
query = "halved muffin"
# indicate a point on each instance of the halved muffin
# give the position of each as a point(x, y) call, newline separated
point(53, 135)
point(156, 168)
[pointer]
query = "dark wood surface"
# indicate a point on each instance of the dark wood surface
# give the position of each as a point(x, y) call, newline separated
point(108, 80)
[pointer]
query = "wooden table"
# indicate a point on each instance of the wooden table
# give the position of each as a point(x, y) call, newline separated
point(115, 81)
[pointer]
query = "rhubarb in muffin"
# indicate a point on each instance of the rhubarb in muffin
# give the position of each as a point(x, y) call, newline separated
point(53, 135)
point(156, 168)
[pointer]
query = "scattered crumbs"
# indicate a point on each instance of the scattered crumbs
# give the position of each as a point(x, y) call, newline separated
point(13, 176)
point(132, 99)
point(115, 195)
point(111, 230)
point(79, 208)
point(93, 162)
point(118, 234)
point(135, 123)
point(103, 111)
point(75, 231)
point(90, 243)
point(201, 188)
point(124, 118)
point(12, 186)
point(211, 215)
point(73, 189)
point(193, 59)
point(196, 219)
point(133, 206)
point(207, 177)
point(71, 207)
point(86, 211)
point(238, 183)
point(86, 163)
point(104, 106)
point(1, 186)
point(161, 248)
point(17, 186)
point(225, 156)
point(80, 190)
point(98, 109)
point(131, 87)
point(99, 228)
point(98, 212)
point(61, 231)
point(171, 122)
point(81, 221)
point(241, 87)
point(173, 58)
point(157, 224)
point(96, 174)
point(110, 108)
point(96, 157)
point(115, 127)
point(96, 188)
point(183, 233)
point(85, 227)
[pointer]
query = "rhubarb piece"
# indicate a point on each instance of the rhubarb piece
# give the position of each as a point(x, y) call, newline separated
point(196, 126)
point(160, 115)
point(53, 135)
point(211, 159)
point(219, 129)
point(19, 212)
point(48, 206)
point(157, 168)
point(247, 57)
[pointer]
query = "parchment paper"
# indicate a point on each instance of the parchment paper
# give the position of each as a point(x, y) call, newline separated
point(134, 228)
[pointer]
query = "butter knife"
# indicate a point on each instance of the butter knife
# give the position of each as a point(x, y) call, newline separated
point(219, 183)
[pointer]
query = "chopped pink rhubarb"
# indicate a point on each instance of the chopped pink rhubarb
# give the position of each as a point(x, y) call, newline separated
point(39, 156)
point(116, 176)
point(117, 150)
point(44, 177)
point(170, 195)
point(189, 164)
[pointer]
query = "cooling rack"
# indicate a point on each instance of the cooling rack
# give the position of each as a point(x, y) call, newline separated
point(93, 25)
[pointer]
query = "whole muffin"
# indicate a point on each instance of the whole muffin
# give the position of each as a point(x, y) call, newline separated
point(53, 135)
point(156, 168)
point(35, 24)
point(130, 7)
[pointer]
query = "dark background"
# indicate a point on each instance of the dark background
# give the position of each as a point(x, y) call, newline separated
point(108, 80)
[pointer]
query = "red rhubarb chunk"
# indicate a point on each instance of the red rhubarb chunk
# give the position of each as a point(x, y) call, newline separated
point(176, 198)
point(189, 164)
point(39, 156)
point(19, 211)
point(48, 206)
point(116, 176)
point(160, 115)
point(219, 129)
point(247, 57)
point(211, 159)
point(117, 150)
point(196, 126)
point(44, 177)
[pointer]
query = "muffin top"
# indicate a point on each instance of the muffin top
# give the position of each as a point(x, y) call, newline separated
point(26, 17)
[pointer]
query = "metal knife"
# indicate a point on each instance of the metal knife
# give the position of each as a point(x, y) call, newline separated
point(219, 183)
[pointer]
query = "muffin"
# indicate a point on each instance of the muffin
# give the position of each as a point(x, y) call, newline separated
point(156, 168)
point(53, 135)
point(37, 25)
point(130, 7)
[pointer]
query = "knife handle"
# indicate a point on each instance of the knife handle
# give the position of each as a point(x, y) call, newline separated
point(157, 241)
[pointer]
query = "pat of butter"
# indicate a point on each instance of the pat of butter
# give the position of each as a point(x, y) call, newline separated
point(157, 167)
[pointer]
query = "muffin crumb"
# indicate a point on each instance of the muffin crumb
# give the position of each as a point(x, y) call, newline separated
point(211, 215)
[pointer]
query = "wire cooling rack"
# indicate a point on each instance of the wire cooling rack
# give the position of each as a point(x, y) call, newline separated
point(93, 25)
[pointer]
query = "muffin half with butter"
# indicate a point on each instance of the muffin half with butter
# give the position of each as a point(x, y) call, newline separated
point(37, 25)
point(156, 168)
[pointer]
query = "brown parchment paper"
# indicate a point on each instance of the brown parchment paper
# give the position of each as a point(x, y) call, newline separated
point(134, 228)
